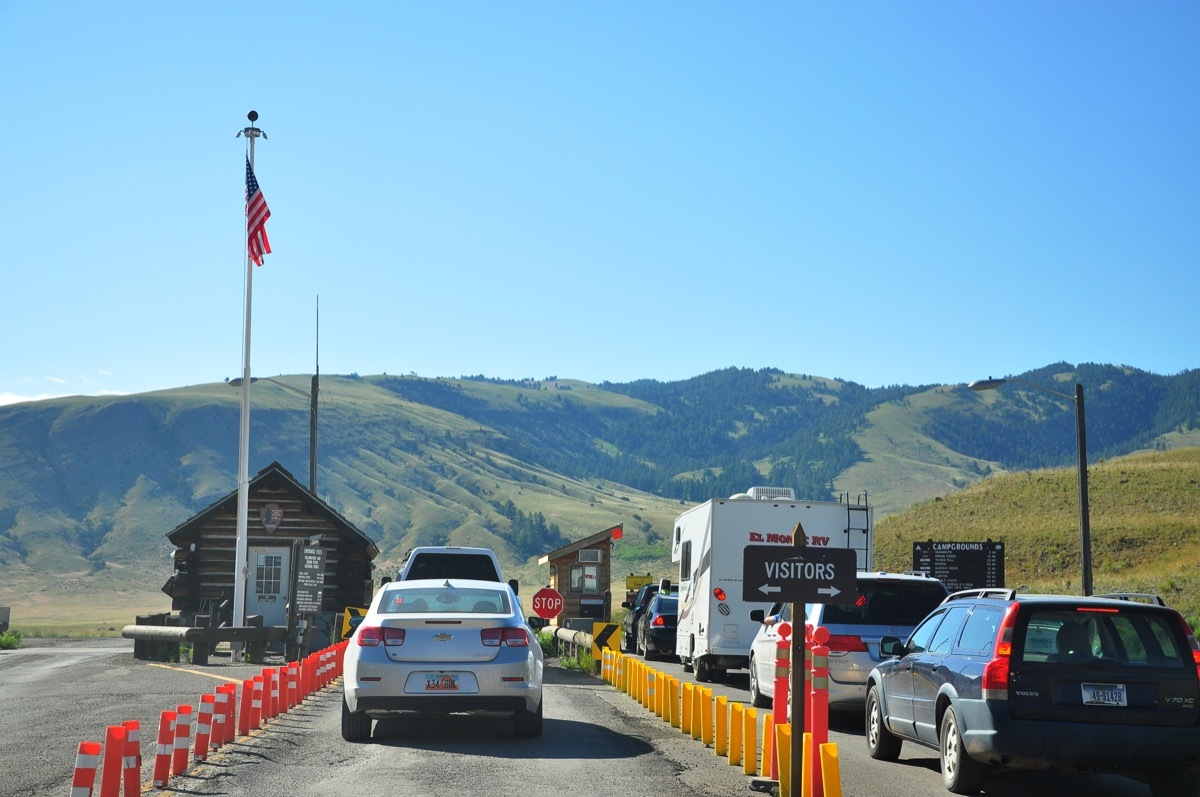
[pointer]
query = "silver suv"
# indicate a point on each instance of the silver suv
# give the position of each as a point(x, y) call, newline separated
point(885, 604)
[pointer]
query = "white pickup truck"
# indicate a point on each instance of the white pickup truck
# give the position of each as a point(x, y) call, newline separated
point(443, 561)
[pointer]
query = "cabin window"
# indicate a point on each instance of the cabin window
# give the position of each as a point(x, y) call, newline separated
point(268, 574)
point(685, 561)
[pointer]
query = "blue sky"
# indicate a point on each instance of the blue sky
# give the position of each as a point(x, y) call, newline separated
point(888, 193)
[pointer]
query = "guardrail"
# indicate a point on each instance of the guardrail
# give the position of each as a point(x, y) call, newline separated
point(203, 638)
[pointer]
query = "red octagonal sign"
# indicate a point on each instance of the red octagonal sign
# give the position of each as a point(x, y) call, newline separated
point(547, 603)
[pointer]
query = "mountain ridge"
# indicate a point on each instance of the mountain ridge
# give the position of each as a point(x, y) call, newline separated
point(89, 486)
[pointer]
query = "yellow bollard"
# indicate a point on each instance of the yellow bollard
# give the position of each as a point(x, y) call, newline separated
point(768, 746)
point(720, 718)
point(735, 734)
point(831, 770)
point(619, 671)
point(750, 741)
point(806, 777)
point(671, 715)
point(697, 711)
point(660, 692)
point(685, 716)
point(783, 748)
point(707, 719)
point(651, 688)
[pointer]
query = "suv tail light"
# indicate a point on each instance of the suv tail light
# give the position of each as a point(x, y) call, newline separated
point(1191, 638)
point(994, 684)
point(658, 621)
point(510, 636)
point(372, 636)
point(846, 643)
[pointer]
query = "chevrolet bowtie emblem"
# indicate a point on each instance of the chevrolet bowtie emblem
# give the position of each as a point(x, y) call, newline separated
point(443, 637)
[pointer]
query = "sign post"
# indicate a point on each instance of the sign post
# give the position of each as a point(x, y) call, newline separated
point(798, 575)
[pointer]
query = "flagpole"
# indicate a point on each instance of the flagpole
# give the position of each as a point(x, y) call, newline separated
point(241, 569)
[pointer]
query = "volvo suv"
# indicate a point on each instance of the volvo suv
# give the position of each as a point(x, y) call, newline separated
point(1083, 684)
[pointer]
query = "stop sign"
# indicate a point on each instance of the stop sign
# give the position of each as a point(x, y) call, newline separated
point(547, 603)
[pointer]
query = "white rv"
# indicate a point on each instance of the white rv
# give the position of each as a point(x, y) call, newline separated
point(715, 629)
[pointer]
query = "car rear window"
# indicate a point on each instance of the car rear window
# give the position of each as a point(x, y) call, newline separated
point(667, 605)
point(1145, 639)
point(441, 600)
point(903, 603)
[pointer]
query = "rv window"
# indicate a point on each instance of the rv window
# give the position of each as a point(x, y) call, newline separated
point(685, 561)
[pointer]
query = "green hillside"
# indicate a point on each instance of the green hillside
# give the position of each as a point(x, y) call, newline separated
point(1144, 520)
point(89, 486)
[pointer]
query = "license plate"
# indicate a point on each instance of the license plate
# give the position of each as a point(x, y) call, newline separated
point(1104, 695)
point(441, 682)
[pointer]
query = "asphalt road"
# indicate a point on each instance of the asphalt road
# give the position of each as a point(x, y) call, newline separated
point(596, 740)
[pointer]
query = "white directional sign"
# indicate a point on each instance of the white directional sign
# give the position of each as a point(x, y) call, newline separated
point(773, 573)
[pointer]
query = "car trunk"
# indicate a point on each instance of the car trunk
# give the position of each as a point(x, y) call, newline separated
point(441, 641)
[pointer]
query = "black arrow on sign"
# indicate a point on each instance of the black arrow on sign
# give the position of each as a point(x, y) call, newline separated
point(601, 641)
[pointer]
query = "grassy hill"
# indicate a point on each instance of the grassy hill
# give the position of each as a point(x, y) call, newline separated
point(1144, 518)
point(89, 486)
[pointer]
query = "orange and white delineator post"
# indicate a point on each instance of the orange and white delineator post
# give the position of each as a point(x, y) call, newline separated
point(183, 735)
point(114, 761)
point(243, 727)
point(229, 718)
point(217, 736)
point(204, 721)
point(256, 704)
point(165, 749)
point(132, 769)
point(87, 760)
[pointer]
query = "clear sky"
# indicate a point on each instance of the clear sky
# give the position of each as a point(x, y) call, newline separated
point(888, 193)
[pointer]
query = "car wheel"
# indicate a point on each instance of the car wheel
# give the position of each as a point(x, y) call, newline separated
point(640, 647)
point(1174, 784)
point(628, 643)
point(686, 663)
point(704, 669)
point(528, 724)
point(356, 726)
point(757, 698)
point(961, 774)
point(881, 744)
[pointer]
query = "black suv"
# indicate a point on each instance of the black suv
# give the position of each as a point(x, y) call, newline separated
point(636, 607)
point(990, 677)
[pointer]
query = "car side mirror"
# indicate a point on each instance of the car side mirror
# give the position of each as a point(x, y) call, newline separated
point(512, 582)
point(757, 615)
point(890, 646)
point(537, 623)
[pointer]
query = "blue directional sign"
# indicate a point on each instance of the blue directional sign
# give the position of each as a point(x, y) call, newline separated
point(813, 574)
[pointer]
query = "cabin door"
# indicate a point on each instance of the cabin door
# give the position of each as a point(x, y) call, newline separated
point(270, 575)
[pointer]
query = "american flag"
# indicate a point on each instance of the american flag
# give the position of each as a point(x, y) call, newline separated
point(257, 214)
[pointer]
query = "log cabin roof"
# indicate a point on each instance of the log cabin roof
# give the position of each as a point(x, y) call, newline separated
point(194, 525)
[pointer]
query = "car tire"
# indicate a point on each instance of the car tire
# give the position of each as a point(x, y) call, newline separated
point(881, 744)
point(757, 698)
point(527, 724)
point(639, 648)
point(686, 664)
point(628, 643)
point(704, 669)
point(356, 726)
point(1174, 784)
point(961, 774)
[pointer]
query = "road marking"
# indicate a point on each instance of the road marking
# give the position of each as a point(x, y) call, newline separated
point(197, 672)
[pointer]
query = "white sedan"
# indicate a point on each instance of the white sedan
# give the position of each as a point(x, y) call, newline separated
point(442, 645)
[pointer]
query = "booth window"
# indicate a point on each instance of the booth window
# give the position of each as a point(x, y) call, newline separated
point(268, 574)
point(585, 579)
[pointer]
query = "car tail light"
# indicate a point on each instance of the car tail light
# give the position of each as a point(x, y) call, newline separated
point(1191, 638)
point(994, 684)
point(372, 636)
point(658, 622)
point(846, 643)
point(719, 594)
point(512, 637)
